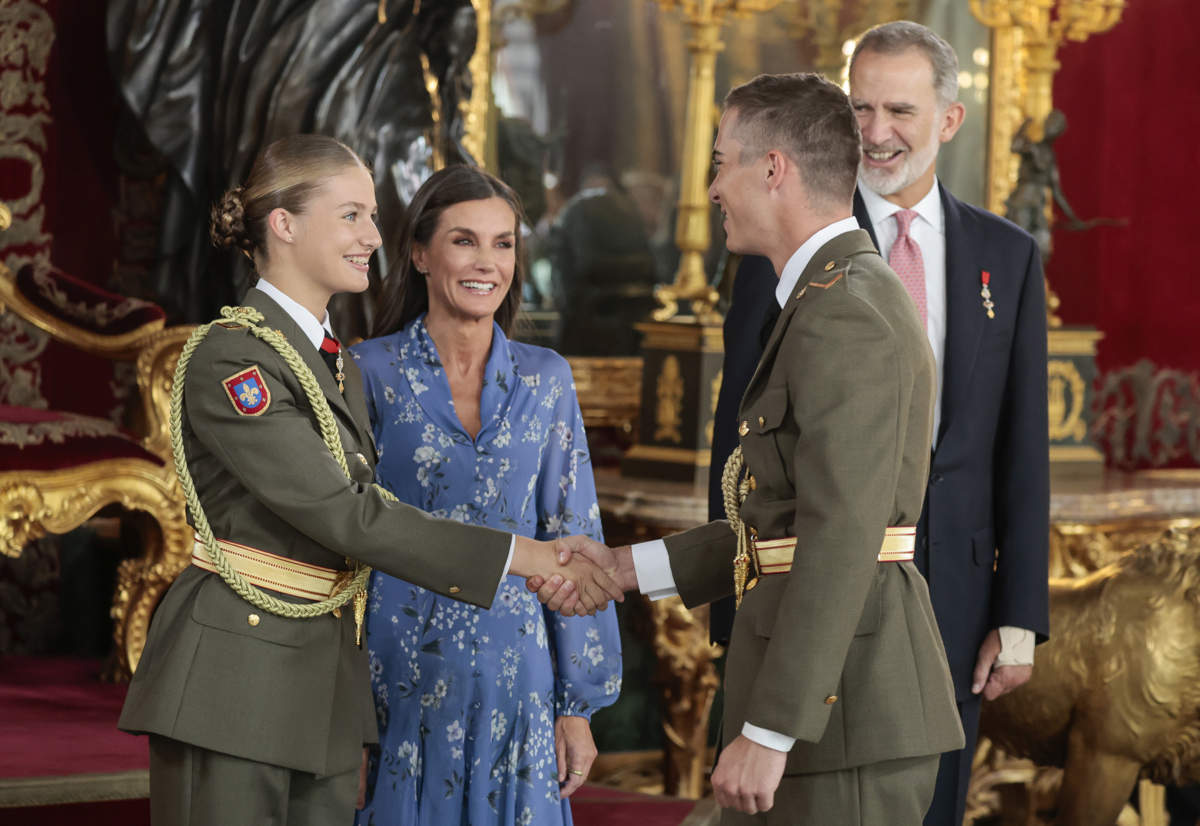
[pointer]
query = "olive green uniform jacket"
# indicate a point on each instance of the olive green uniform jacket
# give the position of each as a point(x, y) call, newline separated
point(289, 692)
point(843, 652)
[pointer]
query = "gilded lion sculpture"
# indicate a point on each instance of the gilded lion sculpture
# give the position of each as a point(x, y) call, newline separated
point(1115, 693)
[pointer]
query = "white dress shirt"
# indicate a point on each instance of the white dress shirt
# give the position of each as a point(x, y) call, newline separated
point(314, 330)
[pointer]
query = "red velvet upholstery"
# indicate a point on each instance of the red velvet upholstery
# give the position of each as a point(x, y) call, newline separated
point(43, 440)
point(85, 305)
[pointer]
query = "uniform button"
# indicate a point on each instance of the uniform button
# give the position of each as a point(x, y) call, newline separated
point(829, 265)
point(454, 589)
point(363, 459)
point(750, 584)
point(935, 479)
point(254, 619)
point(762, 421)
point(831, 699)
point(743, 428)
point(752, 482)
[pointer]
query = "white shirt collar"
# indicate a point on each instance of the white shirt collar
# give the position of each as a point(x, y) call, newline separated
point(313, 329)
point(880, 208)
point(795, 265)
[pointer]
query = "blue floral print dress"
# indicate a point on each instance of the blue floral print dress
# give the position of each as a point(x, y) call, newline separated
point(466, 697)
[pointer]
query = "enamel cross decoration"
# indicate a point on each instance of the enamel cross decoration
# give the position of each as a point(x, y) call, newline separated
point(985, 292)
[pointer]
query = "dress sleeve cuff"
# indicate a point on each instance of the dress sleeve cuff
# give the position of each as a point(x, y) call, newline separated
point(766, 737)
point(1016, 646)
point(653, 569)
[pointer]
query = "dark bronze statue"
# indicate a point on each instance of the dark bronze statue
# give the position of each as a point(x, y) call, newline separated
point(211, 82)
point(1037, 176)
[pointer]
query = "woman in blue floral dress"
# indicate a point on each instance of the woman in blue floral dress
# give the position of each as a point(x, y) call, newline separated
point(483, 714)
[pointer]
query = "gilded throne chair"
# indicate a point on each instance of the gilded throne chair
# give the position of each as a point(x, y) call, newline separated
point(78, 433)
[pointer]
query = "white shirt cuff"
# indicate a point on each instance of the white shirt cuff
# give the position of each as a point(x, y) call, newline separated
point(766, 737)
point(512, 546)
point(1016, 646)
point(653, 569)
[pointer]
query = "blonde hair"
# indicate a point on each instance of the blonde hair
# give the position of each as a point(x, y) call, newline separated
point(285, 175)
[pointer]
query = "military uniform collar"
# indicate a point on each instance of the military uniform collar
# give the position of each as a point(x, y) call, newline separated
point(798, 263)
point(313, 329)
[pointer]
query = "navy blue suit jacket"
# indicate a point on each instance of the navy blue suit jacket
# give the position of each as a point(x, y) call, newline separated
point(983, 538)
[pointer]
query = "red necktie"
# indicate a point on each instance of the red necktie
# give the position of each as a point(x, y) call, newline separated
point(905, 258)
point(330, 347)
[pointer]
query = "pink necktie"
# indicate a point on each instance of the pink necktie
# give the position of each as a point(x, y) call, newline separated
point(905, 258)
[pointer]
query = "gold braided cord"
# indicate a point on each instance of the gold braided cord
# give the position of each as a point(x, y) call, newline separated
point(733, 492)
point(356, 587)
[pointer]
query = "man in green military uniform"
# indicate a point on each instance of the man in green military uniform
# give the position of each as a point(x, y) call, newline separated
point(838, 697)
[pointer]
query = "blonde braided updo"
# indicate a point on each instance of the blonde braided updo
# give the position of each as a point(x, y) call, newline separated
point(228, 225)
point(284, 176)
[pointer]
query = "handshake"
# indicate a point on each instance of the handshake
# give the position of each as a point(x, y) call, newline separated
point(574, 575)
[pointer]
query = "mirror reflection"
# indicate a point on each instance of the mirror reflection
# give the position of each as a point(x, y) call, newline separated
point(589, 103)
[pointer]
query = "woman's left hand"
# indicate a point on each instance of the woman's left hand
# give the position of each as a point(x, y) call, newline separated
point(576, 752)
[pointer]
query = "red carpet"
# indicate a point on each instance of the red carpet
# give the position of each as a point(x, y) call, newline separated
point(62, 760)
point(57, 718)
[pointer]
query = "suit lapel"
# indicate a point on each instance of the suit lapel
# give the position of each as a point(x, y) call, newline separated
point(835, 249)
point(964, 329)
point(864, 218)
point(276, 318)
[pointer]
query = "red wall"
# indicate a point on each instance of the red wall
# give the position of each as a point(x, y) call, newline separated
point(1132, 151)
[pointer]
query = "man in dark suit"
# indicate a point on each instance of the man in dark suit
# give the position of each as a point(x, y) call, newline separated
point(982, 540)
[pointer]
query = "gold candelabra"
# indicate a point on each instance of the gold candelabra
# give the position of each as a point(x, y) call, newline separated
point(821, 21)
point(1026, 35)
point(705, 18)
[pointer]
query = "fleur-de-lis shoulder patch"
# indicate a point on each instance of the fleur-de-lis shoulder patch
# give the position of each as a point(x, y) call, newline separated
point(248, 392)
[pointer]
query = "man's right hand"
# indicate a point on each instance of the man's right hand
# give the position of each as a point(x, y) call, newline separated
point(617, 563)
point(582, 587)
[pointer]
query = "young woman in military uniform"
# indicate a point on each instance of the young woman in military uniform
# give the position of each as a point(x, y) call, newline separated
point(253, 685)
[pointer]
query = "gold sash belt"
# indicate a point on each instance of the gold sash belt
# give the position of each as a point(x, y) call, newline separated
point(774, 556)
point(267, 570)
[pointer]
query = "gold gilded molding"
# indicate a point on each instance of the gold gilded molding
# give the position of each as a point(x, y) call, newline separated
point(668, 410)
point(681, 334)
point(678, 455)
point(1026, 35)
point(1067, 393)
point(714, 389)
point(689, 683)
point(705, 19)
point(1069, 341)
point(608, 389)
point(479, 111)
point(123, 346)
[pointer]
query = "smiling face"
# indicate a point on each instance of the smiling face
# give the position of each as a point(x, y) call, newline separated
point(903, 124)
point(335, 235)
point(469, 261)
point(737, 188)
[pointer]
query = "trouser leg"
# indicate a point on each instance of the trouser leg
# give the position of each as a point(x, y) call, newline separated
point(192, 786)
point(954, 773)
point(891, 793)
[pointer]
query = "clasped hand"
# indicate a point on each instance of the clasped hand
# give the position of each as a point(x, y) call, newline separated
point(556, 590)
point(572, 575)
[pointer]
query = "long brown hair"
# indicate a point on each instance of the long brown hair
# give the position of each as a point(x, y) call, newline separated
point(405, 294)
point(286, 174)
